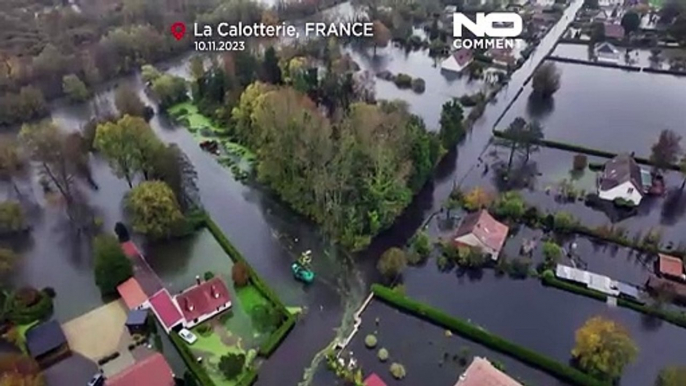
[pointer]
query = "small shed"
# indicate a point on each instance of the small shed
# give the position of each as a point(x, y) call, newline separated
point(628, 291)
point(136, 322)
point(670, 266)
point(47, 344)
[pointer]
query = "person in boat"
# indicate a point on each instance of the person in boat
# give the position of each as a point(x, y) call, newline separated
point(305, 259)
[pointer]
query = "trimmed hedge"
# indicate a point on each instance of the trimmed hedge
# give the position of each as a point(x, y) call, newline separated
point(249, 377)
point(196, 368)
point(590, 63)
point(275, 339)
point(581, 149)
point(479, 335)
point(677, 318)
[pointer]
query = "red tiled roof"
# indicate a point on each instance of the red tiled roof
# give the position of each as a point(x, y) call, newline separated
point(132, 293)
point(374, 380)
point(151, 371)
point(203, 299)
point(482, 373)
point(165, 309)
point(487, 229)
point(463, 56)
point(130, 249)
point(670, 265)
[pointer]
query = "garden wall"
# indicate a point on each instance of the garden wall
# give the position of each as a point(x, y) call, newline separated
point(479, 335)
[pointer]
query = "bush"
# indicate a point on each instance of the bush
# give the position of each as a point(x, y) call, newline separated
point(196, 368)
point(50, 292)
point(398, 371)
point(468, 100)
point(519, 268)
point(265, 318)
point(421, 244)
point(28, 305)
point(268, 347)
point(382, 354)
point(580, 162)
point(509, 205)
point(470, 258)
point(418, 85)
point(240, 274)
point(479, 335)
point(204, 329)
point(564, 222)
point(403, 81)
point(370, 341)
point(12, 217)
point(392, 263)
point(231, 365)
point(208, 275)
point(477, 198)
point(112, 267)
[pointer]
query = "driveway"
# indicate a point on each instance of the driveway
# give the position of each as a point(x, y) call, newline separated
point(100, 332)
point(76, 370)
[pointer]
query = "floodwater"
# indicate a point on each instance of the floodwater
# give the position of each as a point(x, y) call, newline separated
point(270, 236)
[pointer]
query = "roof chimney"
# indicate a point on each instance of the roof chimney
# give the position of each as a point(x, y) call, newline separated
point(197, 279)
point(214, 292)
point(189, 305)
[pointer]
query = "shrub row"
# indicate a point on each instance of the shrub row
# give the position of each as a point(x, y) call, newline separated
point(479, 335)
point(275, 339)
point(20, 314)
point(678, 318)
point(196, 368)
point(591, 63)
point(581, 149)
point(249, 377)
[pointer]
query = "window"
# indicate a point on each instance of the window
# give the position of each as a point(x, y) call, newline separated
point(630, 190)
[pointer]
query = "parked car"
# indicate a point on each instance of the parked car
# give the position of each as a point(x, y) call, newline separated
point(97, 380)
point(188, 336)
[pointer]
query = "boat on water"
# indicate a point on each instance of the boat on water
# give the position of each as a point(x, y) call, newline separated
point(301, 268)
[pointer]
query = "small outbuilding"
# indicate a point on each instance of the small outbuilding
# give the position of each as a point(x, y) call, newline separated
point(136, 322)
point(606, 52)
point(47, 344)
point(623, 179)
point(670, 267)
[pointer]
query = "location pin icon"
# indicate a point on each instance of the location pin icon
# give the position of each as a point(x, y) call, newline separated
point(178, 29)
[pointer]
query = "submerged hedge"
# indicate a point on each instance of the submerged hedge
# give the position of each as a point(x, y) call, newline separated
point(479, 335)
point(275, 339)
point(581, 149)
point(196, 368)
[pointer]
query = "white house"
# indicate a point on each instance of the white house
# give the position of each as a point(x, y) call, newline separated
point(203, 301)
point(622, 178)
point(458, 61)
point(481, 230)
point(606, 52)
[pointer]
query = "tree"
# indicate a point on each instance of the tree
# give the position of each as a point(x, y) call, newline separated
point(74, 88)
point(7, 260)
point(60, 158)
point(603, 348)
point(189, 379)
point(265, 318)
point(19, 370)
point(12, 162)
point(270, 67)
point(171, 165)
point(128, 102)
point(169, 90)
point(154, 209)
point(149, 73)
point(112, 267)
point(451, 123)
point(591, 4)
point(11, 217)
point(231, 364)
point(672, 376)
point(31, 103)
point(546, 80)
point(631, 21)
point(240, 274)
point(523, 136)
point(597, 33)
point(382, 35)
point(665, 152)
point(477, 198)
point(129, 145)
point(197, 67)
point(392, 263)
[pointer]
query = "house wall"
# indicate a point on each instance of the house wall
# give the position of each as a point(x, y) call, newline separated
point(608, 58)
point(192, 323)
point(622, 191)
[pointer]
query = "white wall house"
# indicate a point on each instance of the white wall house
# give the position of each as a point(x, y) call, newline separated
point(203, 301)
point(458, 61)
point(606, 52)
point(480, 230)
point(622, 178)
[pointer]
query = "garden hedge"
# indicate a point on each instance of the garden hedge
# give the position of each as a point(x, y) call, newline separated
point(677, 318)
point(581, 149)
point(196, 368)
point(275, 339)
point(21, 314)
point(249, 377)
point(590, 63)
point(479, 335)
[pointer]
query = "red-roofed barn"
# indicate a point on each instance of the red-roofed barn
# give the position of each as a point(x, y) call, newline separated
point(203, 301)
point(481, 230)
point(151, 371)
point(166, 310)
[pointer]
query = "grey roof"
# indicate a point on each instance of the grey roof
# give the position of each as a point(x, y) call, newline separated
point(628, 289)
point(137, 317)
point(44, 338)
point(619, 170)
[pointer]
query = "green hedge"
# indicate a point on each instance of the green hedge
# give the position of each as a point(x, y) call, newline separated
point(275, 339)
point(581, 149)
point(249, 377)
point(486, 338)
point(196, 368)
point(20, 314)
point(577, 289)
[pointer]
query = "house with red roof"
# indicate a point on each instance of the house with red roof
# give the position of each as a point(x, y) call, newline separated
point(482, 373)
point(203, 301)
point(374, 380)
point(151, 371)
point(166, 310)
point(481, 230)
point(458, 61)
point(133, 295)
